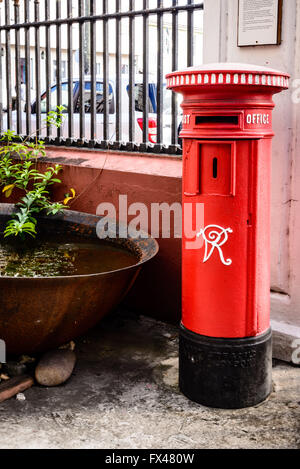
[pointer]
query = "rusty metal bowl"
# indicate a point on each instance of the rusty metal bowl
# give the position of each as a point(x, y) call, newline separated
point(38, 314)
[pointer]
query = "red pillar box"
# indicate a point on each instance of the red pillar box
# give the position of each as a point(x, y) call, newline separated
point(225, 339)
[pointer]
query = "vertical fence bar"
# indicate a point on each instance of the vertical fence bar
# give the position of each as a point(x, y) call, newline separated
point(93, 73)
point(58, 61)
point(145, 72)
point(17, 68)
point(70, 74)
point(190, 35)
point(118, 75)
point(87, 63)
point(48, 65)
point(8, 66)
point(131, 75)
point(37, 69)
point(174, 138)
point(160, 73)
point(81, 74)
point(105, 74)
point(27, 68)
point(1, 79)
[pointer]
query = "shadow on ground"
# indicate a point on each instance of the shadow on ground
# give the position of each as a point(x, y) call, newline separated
point(124, 394)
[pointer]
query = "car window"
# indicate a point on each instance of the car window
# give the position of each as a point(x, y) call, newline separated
point(99, 98)
point(167, 100)
point(53, 98)
point(139, 97)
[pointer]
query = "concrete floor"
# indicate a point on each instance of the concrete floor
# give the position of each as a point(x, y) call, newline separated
point(124, 394)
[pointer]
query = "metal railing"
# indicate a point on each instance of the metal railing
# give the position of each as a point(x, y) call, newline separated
point(90, 36)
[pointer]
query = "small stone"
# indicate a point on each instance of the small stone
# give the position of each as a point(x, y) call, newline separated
point(26, 359)
point(293, 405)
point(4, 377)
point(70, 346)
point(167, 335)
point(20, 397)
point(13, 368)
point(55, 367)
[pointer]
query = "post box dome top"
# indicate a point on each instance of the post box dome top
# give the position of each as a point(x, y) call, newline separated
point(228, 74)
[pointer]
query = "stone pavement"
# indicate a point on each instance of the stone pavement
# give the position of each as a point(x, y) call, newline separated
point(124, 394)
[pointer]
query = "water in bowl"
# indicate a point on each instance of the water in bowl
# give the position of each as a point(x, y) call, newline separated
point(62, 257)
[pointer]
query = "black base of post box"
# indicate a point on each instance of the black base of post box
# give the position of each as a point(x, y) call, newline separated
point(225, 373)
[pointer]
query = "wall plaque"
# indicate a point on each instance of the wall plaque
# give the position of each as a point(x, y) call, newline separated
point(259, 22)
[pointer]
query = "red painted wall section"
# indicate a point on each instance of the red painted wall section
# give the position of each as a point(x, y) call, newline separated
point(99, 176)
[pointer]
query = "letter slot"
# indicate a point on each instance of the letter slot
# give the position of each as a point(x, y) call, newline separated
point(216, 168)
point(213, 119)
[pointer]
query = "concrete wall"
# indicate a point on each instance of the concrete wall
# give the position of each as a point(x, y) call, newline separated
point(220, 45)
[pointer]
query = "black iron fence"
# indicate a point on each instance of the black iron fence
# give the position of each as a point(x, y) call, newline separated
point(104, 62)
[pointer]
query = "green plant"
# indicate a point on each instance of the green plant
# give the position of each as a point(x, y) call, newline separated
point(18, 170)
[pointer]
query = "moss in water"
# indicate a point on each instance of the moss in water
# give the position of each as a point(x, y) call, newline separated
point(60, 258)
point(42, 261)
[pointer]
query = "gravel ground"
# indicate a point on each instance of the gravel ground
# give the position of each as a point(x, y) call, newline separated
point(124, 394)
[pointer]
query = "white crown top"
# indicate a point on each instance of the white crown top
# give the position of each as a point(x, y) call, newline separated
point(228, 74)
